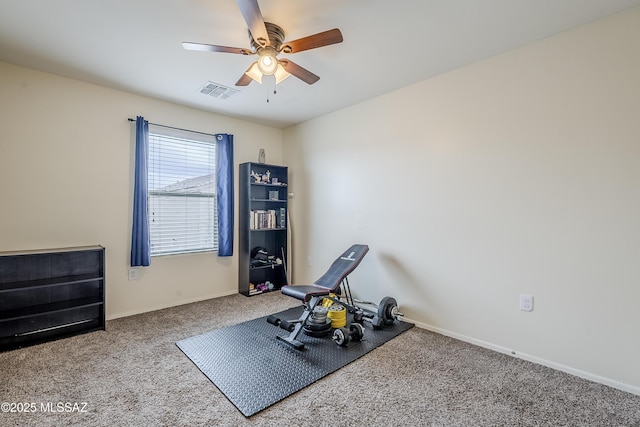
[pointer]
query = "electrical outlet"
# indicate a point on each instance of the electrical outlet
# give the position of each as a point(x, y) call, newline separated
point(133, 274)
point(526, 302)
point(308, 261)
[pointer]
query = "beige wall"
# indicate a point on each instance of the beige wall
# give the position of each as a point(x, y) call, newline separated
point(66, 180)
point(518, 174)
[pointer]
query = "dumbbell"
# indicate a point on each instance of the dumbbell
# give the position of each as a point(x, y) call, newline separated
point(342, 336)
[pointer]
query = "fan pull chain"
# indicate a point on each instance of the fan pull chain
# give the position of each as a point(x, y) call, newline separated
point(274, 90)
point(268, 90)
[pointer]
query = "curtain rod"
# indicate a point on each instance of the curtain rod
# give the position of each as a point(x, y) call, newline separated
point(172, 127)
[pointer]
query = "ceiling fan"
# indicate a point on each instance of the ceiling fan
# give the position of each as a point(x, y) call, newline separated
point(267, 41)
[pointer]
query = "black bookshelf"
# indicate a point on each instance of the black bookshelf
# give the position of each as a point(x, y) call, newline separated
point(50, 294)
point(263, 208)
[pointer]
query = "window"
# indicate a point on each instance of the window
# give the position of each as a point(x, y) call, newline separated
point(182, 191)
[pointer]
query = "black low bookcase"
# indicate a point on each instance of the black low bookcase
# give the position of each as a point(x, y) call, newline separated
point(263, 230)
point(50, 294)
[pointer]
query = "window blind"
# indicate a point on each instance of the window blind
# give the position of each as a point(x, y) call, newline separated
point(182, 184)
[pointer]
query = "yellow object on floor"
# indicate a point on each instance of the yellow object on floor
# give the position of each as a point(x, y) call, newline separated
point(338, 315)
point(327, 302)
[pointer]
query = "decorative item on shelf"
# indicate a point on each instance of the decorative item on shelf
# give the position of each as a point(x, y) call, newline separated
point(262, 158)
point(256, 176)
point(266, 177)
point(274, 180)
point(273, 195)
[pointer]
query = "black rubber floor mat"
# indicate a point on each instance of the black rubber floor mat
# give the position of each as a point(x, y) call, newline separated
point(254, 370)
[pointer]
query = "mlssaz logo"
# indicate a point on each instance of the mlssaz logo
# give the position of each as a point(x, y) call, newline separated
point(79, 407)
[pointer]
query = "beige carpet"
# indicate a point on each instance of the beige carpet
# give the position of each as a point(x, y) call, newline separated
point(134, 375)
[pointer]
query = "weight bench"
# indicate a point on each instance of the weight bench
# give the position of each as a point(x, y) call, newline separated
point(312, 295)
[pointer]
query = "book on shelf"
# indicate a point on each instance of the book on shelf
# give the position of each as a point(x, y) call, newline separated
point(266, 219)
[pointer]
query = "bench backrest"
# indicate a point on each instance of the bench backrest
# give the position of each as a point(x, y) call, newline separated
point(341, 267)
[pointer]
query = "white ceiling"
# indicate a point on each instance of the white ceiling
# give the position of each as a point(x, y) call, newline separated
point(135, 45)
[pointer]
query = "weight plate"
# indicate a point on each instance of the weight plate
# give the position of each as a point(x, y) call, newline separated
point(386, 309)
point(320, 310)
point(319, 315)
point(316, 330)
point(318, 326)
point(357, 331)
point(341, 337)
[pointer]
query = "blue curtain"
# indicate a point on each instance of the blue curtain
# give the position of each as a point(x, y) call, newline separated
point(224, 183)
point(140, 242)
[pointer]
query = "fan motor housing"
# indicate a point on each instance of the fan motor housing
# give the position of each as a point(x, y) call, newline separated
point(276, 37)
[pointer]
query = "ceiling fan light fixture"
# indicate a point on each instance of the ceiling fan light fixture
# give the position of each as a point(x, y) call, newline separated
point(281, 74)
point(267, 62)
point(254, 72)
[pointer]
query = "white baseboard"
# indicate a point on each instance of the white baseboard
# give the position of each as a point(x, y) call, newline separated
point(174, 304)
point(563, 368)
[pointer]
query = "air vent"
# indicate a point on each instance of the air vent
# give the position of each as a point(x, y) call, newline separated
point(217, 90)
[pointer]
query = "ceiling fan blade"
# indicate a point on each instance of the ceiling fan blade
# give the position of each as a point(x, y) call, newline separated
point(301, 73)
point(244, 80)
point(311, 42)
point(215, 48)
point(252, 73)
point(253, 17)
